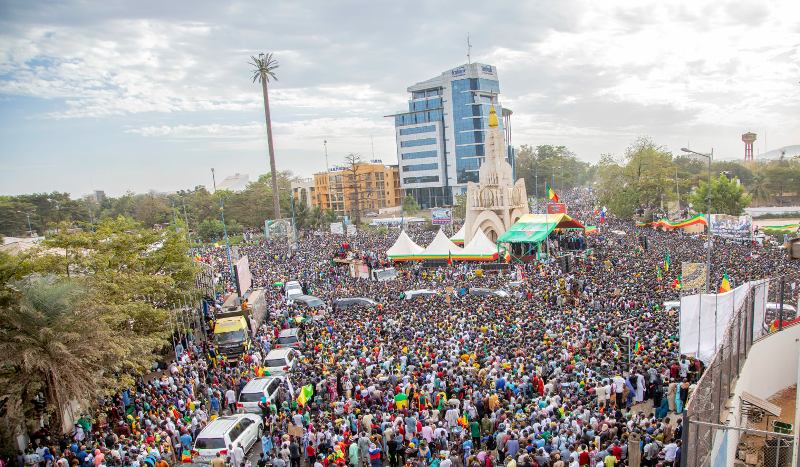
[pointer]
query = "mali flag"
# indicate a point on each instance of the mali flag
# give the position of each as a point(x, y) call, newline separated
point(658, 273)
point(401, 401)
point(677, 284)
point(725, 285)
point(667, 262)
point(637, 349)
point(305, 394)
point(551, 193)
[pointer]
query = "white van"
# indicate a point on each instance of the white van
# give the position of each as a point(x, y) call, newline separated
point(227, 431)
point(292, 289)
point(280, 361)
point(259, 388)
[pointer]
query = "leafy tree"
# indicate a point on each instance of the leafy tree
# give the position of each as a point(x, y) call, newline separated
point(642, 184)
point(410, 205)
point(548, 164)
point(210, 230)
point(460, 208)
point(727, 196)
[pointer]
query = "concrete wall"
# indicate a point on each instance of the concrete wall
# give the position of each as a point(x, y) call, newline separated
point(770, 367)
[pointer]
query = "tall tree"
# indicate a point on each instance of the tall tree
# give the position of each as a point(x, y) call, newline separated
point(264, 67)
point(353, 186)
point(727, 196)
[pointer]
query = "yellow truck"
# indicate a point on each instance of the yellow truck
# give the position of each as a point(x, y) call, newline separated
point(232, 335)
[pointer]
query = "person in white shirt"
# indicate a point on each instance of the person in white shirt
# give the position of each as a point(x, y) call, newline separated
point(669, 453)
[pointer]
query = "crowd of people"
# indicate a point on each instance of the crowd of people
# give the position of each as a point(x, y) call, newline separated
point(577, 367)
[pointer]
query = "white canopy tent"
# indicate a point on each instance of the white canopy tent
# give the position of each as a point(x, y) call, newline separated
point(458, 237)
point(441, 247)
point(480, 245)
point(404, 248)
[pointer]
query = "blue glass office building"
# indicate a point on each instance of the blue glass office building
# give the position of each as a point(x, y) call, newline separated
point(440, 139)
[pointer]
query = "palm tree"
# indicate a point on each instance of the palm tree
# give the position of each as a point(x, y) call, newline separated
point(53, 346)
point(758, 187)
point(264, 67)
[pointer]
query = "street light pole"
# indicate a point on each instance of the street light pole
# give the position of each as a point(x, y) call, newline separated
point(30, 229)
point(709, 156)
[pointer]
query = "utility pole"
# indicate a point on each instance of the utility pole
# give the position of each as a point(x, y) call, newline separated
point(325, 145)
point(214, 179)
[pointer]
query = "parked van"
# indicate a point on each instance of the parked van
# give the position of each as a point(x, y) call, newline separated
point(292, 290)
point(259, 388)
point(280, 361)
point(227, 431)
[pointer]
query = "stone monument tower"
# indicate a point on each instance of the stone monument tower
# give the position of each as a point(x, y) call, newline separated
point(496, 201)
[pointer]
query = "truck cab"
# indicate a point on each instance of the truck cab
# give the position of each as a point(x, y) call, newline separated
point(232, 336)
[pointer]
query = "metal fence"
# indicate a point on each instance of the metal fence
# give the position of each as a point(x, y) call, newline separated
point(706, 409)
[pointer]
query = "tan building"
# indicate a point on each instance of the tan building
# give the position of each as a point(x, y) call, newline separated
point(373, 184)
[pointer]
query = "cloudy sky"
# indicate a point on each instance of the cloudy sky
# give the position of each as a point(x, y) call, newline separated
point(121, 95)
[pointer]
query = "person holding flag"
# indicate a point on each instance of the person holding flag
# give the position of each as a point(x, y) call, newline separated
point(667, 262)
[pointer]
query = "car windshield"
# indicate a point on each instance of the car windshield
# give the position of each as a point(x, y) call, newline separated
point(276, 363)
point(231, 337)
point(287, 340)
point(209, 443)
point(250, 397)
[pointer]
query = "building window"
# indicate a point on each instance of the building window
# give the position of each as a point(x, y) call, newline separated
point(419, 129)
point(418, 155)
point(417, 167)
point(418, 142)
point(426, 179)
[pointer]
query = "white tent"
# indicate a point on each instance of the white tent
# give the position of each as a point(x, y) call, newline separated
point(441, 247)
point(480, 245)
point(404, 248)
point(458, 237)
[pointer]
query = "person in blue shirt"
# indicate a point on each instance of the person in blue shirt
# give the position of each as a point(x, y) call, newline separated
point(186, 440)
point(215, 404)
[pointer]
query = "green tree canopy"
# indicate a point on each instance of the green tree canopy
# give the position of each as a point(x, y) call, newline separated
point(727, 196)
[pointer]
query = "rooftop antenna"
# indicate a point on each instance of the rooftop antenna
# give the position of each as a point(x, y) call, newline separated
point(372, 146)
point(469, 51)
point(325, 145)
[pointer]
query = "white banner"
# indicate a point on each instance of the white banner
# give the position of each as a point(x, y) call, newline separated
point(337, 228)
point(704, 318)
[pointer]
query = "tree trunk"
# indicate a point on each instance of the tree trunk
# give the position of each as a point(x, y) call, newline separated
point(276, 207)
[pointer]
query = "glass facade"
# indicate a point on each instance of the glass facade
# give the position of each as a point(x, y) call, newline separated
point(424, 179)
point(418, 155)
point(431, 197)
point(417, 130)
point(417, 167)
point(472, 99)
point(418, 142)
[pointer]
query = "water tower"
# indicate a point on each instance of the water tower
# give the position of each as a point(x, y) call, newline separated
point(749, 138)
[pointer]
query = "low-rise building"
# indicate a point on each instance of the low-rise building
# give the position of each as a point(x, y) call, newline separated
point(363, 188)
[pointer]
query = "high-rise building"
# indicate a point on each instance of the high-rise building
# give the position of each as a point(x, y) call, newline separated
point(441, 138)
point(366, 187)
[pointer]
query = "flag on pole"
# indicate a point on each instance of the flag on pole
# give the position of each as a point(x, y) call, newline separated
point(637, 349)
point(551, 193)
point(677, 284)
point(725, 285)
point(305, 394)
point(449, 258)
point(658, 273)
point(667, 262)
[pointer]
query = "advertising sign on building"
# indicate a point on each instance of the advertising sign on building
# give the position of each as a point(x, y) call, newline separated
point(556, 208)
point(441, 216)
point(723, 225)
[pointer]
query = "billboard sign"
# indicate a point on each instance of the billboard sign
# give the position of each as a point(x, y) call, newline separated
point(723, 225)
point(337, 228)
point(556, 208)
point(441, 216)
point(244, 279)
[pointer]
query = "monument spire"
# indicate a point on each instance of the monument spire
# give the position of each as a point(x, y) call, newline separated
point(493, 122)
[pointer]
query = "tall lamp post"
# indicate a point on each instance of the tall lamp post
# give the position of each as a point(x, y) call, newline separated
point(224, 228)
point(708, 156)
point(30, 229)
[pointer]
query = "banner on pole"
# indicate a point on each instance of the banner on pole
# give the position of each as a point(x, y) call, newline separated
point(693, 275)
point(441, 216)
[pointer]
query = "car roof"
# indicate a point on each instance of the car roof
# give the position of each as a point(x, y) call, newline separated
point(219, 426)
point(258, 384)
point(289, 332)
point(278, 353)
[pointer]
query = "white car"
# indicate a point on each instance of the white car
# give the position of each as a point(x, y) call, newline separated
point(281, 361)
point(409, 294)
point(217, 436)
point(259, 388)
point(292, 289)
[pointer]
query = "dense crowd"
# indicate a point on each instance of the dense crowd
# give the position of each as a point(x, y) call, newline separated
point(577, 367)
